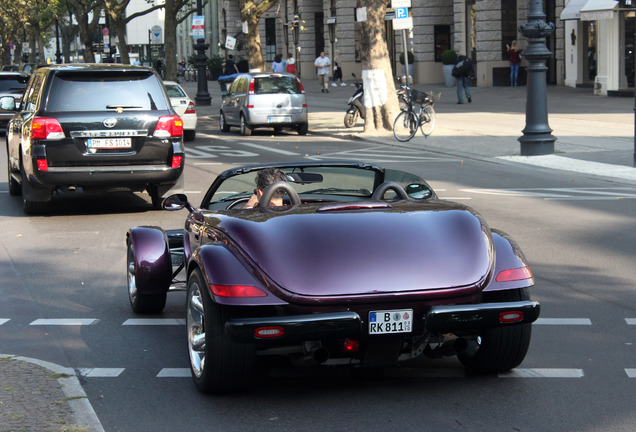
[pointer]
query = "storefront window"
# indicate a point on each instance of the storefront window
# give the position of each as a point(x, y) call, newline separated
point(628, 33)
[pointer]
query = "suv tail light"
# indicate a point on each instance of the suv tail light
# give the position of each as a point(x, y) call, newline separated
point(46, 128)
point(190, 109)
point(169, 126)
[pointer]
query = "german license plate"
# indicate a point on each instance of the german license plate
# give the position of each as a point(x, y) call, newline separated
point(108, 143)
point(279, 119)
point(391, 321)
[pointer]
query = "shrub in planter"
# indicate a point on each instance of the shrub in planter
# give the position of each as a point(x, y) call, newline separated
point(411, 58)
point(449, 57)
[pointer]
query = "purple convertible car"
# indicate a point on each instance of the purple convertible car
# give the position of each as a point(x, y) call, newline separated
point(361, 266)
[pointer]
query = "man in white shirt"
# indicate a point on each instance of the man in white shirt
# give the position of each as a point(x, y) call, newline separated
point(323, 64)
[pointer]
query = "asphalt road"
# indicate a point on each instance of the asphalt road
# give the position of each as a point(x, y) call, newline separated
point(577, 231)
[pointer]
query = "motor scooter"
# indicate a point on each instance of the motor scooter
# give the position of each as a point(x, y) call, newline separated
point(356, 105)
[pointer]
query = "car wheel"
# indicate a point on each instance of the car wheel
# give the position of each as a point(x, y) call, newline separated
point(155, 197)
point(501, 348)
point(218, 364)
point(14, 186)
point(246, 130)
point(189, 135)
point(223, 124)
point(303, 128)
point(30, 207)
point(139, 302)
point(350, 118)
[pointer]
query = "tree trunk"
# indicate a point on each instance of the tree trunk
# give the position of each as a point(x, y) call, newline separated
point(251, 12)
point(120, 31)
point(380, 98)
point(170, 40)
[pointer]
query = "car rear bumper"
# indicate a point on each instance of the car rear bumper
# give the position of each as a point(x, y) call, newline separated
point(438, 319)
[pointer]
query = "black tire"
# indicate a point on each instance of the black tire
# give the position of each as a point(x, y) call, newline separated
point(218, 364)
point(351, 117)
point(139, 302)
point(30, 207)
point(155, 198)
point(427, 120)
point(405, 126)
point(189, 135)
point(501, 348)
point(302, 129)
point(14, 186)
point(246, 130)
point(223, 124)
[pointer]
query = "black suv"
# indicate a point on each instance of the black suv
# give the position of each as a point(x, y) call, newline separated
point(11, 84)
point(98, 127)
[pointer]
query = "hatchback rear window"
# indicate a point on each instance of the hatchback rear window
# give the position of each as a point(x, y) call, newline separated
point(9, 83)
point(97, 91)
point(273, 85)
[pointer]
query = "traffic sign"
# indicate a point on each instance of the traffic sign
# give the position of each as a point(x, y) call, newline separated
point(198, 27)
point(400, 3)
point(401, 12)
point(403, 23)
point(105, 31)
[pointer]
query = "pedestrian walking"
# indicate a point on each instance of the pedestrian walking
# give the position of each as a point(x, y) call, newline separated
point(513, 56)
point(323, 64)
point(277, 64)
point(229, 66)
point(463, 72)
point(337, 71)
point(291, 64)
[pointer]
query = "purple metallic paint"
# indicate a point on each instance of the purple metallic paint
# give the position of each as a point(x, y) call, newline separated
point(153, 267)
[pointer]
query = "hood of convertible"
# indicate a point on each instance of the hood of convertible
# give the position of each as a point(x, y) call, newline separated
point(408, 247)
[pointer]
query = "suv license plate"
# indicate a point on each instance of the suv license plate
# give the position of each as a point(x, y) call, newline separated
point(279, 119)
point(106, 143)
point(391, 321)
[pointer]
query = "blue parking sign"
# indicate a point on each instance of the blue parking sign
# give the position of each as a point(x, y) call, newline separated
point(401, 12)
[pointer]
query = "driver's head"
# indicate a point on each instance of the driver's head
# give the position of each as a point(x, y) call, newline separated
point(268, 176)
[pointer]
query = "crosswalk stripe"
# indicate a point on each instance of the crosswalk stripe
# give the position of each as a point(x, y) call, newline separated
point(630, 321)
point(631, 373)
point(64, 321)
point(153, 321)
point(100, 372)
point(4, 320)
point(174, 373)
point(563, 321)
point(543, 373)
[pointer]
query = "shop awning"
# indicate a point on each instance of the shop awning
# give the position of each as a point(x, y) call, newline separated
point(594, 10)
point(571, 11)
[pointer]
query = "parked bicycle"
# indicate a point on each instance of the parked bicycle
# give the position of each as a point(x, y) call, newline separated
point(410, 119)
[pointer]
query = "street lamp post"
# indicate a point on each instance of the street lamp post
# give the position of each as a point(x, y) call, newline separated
point(58, 54)
point(203, 96)
point(537, 136)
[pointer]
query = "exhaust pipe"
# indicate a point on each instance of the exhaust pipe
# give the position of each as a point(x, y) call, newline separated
point(320, 355)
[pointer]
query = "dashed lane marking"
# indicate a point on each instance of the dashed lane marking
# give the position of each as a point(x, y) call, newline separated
point(174, 373)
point(64, 322)
point(269, 149)
point(543, 373)
point(100, 372)
point(3, 320)
point(153, 321)
point(567, 194)
point(630, 321)
point(563, 321)
point(631, 373)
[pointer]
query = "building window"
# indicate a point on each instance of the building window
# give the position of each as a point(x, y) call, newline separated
point(357, 31)
point(508, 25)
point(319, 20)
point(270, 39)
point(442, 40)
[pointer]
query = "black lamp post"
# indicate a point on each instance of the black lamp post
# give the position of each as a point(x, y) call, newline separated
point(58, 54)
point(537, 136)
point(203, 96)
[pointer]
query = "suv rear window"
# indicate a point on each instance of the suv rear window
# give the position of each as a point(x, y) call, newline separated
point(273, 85)
point(97, 91)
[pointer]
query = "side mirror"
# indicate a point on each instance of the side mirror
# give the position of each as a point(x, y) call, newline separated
point(176, 202)
point(7, 103)
point(418, 191)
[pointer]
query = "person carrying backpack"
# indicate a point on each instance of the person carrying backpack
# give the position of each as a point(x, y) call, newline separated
point(462, 72)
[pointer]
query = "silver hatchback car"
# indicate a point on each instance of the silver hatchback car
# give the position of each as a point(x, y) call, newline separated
point(274, 100)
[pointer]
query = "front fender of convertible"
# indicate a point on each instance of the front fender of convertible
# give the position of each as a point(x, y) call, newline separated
point(151, 259)
point(223, 270)
point(509, 258)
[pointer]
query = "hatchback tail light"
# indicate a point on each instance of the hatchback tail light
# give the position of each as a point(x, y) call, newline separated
point(302, 89)
point(169, 126)
point(251, 88)
point(190, 109)
point(46, 128)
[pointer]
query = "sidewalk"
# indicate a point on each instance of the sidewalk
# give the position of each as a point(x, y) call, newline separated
point(594, 134)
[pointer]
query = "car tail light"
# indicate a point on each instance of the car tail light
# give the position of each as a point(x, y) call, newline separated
point(237, 291)
point(302, 89)
point(268, 332)
point(43, 165)
point(176, 161)
point(169, 126)
point(350, 345)
point(251, 89)
point(46, 128)
point(515, 274)
point(190, 109)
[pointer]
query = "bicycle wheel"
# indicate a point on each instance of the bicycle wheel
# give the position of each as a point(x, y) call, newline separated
point(427, 119)
point(405, 126)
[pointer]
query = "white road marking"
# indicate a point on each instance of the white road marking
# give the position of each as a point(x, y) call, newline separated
point(563, 321)
point(543, 373)
point(153, 321)
point(65, 321)
point(174, 373)
point(425, 373)
point(269, 149)
point(575, 165)
point(4, 320)
point(631, 373)
point(569, 194)
point(100, 372)
point(630, 321)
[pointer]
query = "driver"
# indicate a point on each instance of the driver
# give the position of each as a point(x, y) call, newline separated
point(263, 179)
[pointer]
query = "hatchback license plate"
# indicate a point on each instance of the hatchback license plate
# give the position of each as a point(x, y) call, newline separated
point(106, 143)
point(280, 119)
point(391, 321)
